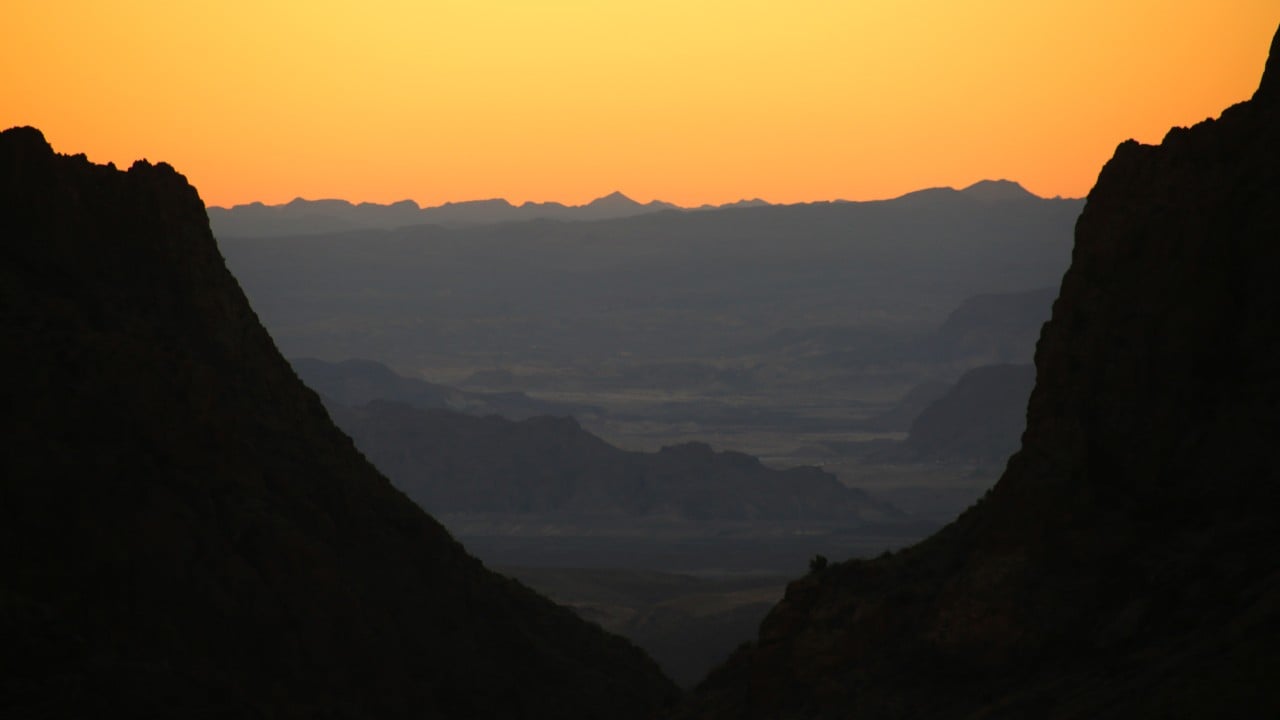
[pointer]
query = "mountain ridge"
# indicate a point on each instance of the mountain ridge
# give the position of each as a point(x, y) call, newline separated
point(301, 216)
point(184, 532)
point(1123, 566)
point(657, 284)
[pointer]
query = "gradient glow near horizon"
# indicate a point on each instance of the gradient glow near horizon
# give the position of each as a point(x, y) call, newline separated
point(690, 102)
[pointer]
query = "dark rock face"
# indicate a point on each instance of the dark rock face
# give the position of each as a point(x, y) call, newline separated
point(184, 533)
point(1124, 566)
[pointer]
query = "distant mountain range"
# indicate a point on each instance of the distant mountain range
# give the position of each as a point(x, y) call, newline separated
point(306, 217)
point(657, 286)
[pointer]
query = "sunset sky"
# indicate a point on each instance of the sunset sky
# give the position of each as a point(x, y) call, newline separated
point(697, 101)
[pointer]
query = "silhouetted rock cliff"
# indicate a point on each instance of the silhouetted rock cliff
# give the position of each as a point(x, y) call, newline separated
point(184, 533)
point(1124, 566)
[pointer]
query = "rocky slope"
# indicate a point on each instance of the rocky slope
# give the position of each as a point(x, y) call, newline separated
point(989, 330)
point(980, 419)
point(184, 533)
point(1124, 566)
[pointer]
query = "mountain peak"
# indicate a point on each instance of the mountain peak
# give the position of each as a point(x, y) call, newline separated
point(615, 198)
point(26, 139)
point(998, 191)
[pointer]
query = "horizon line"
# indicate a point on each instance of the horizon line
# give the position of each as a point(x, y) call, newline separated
point(1001, 182)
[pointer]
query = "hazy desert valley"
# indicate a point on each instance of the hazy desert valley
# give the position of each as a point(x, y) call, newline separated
point(963, 452)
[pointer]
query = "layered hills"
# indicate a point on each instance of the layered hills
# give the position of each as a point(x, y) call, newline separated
point(549, 467)
point(609, 296)
point(605, 524)
point(789, 333)
point(355, 382)
point(1124, 564)
point(184, 533)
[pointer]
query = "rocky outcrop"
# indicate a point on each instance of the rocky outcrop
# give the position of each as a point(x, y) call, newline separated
point(1124, 565)
point(184, 533)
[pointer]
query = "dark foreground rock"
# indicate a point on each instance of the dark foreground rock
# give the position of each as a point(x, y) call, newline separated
point(1125, 564)
point(184, 533)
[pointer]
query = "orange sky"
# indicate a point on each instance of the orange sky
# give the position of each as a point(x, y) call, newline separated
point(692, 101)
